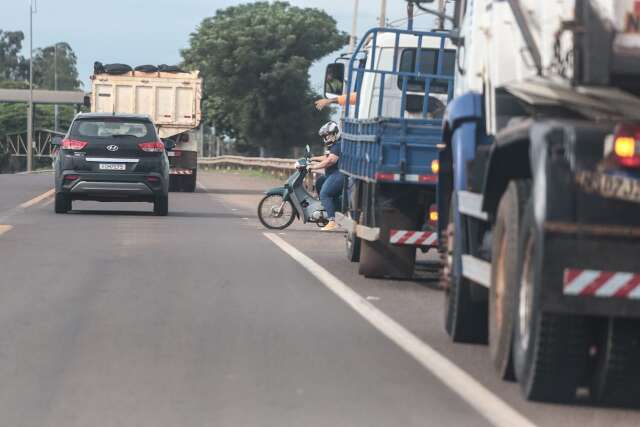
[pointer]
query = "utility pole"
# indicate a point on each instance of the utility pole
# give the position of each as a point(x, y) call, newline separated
point(442, 7)
point(410, 16)
point(383, 13)
point(55, 85)
point(30, 112)
point(354, 27)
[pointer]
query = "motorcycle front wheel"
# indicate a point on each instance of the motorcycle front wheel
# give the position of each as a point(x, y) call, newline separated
point(275, 213)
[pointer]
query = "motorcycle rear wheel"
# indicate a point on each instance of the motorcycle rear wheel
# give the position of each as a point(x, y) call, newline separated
point(276, 213)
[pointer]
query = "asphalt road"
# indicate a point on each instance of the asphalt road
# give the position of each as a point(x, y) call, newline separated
point(113, 317)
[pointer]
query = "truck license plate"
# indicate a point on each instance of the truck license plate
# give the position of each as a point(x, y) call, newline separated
point(617, 187)
point(112, 166)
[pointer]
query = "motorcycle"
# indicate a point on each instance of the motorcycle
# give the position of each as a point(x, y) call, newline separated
point(281, 205)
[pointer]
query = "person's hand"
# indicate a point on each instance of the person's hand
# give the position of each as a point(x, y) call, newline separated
point(309, 168)
point(323, 103)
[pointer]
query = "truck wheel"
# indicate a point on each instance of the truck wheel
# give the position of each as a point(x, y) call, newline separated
point(616, 379)
point(161, 205)
point(352, 244)
point(550, 351)
point(504, 276)
point(174, 182)
point(62, 203)
point(465, 318)
point(189, 183)
point(380, 259)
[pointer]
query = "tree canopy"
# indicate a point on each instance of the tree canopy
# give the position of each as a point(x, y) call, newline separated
point(255, 61)
point(14, 74)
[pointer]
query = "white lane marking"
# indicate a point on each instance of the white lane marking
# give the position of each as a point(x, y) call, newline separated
point(36, 199)
point(490, 406)
point(5, 228)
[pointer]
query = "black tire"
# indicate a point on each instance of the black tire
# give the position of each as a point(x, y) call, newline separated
point(504, 276)
point(352, 246)
point(465, 317)
point(380, 259)
point(189, 183)
point(617, 373)
point(175, 181)
point(550, 351)
point(161, 205)
point(271, 226)
point(62, 203)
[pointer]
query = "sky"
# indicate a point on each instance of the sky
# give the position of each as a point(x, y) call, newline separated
point(139, 32)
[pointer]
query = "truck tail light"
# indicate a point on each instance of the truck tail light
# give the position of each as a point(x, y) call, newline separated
point(71, 177)
point(73, 144)
point(626, 145)
point(152, 147)
point(435, 166)
point(433, 215)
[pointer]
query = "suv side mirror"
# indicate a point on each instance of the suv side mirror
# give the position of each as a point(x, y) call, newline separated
point(56, 141)
point(169, 144)
point(334, 80)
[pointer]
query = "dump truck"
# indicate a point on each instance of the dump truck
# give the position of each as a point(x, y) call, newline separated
point(539, 190)
point(400, 82)
point(171, 98)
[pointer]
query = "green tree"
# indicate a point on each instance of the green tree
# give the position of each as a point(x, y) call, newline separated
point(255, 61)
point(57, 59)
point(14, 73)
point(12, 65)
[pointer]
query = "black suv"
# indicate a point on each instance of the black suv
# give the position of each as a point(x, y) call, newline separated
point(111, 157)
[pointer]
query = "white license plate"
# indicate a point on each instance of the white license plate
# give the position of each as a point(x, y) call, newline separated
point(112, 167)
point(171, 154)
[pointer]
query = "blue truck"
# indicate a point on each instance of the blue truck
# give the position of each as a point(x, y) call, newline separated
point(399, 83)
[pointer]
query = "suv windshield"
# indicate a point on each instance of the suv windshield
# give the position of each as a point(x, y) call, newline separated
point(102, 128)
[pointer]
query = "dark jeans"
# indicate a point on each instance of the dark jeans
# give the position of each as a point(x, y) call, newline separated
point(331, 187)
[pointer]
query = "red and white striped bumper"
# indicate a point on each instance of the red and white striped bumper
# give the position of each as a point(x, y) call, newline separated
point(603, 284)
point(177, 171)
point(413, 238)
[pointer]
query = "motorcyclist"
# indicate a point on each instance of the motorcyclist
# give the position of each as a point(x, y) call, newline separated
point(334, 179)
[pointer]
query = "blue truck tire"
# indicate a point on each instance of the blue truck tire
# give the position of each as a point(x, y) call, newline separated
point(550, 351)
point(617, 372)
point(380, 259)
point(465, 317)
point(504, 275)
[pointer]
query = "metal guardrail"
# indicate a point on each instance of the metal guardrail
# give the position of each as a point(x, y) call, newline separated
point(284, 165)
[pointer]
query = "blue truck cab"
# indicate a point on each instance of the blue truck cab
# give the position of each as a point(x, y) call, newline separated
point(399, 83)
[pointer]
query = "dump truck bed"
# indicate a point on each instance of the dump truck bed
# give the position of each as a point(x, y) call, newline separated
point(172, 100)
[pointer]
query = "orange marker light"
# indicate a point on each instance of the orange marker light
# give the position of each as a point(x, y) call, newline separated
point(625, 146)
point(435, 166)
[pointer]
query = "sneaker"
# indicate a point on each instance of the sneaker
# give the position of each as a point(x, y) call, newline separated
point(331, 225)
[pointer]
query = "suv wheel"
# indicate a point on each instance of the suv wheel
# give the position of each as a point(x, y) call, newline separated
point(62, 203)
point(161, 205)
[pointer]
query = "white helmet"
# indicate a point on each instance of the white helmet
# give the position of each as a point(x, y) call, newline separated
point(329, 133)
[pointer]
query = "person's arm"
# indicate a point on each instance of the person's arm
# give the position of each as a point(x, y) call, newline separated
point(328, 161)
point(317, 158)
point(342, 100)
